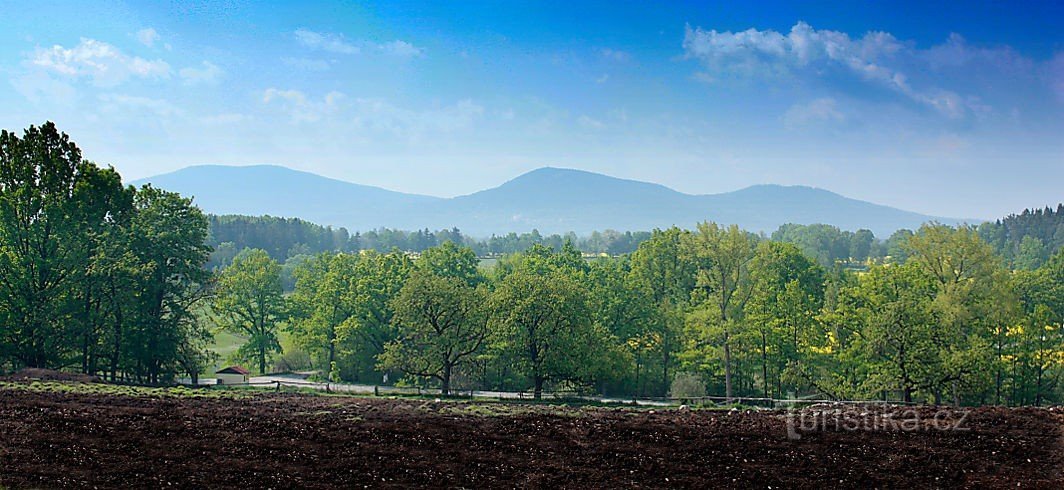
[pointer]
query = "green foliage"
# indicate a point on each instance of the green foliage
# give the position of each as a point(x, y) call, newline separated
point(541, 321)
point(1028, 239)
point(440, 321)
point(249, 300)
point(95, 275)
point(113, 280)
point(723, 286)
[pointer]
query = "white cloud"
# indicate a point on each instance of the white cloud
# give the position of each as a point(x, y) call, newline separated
point(300, 107)
point(877, 58)
point(307, 64)
point(378, 114)
point(823, 110)
point(39, 87)
point(138, 105)
point(105, 64)
point(401, 48)
point(208, 73)
point(603, 79)
point(147, 36)
point(326, 41)
point(371, 114)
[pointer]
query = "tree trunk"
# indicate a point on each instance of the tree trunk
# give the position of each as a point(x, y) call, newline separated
point(1038, 387)
point(537, 392)
point(764, 365)
point(727, 368)
point(446, 388)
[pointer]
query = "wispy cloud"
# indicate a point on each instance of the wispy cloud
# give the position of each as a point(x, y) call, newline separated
point(307, 64)
point(137, 105)
point(590, 122)
point(104, 63)
point(147, 37)
point(401, 48)
point(373, 114)
point(877, 58)
point(302, 108)
point(326, 41)
point(818, 111)
point(207, 73)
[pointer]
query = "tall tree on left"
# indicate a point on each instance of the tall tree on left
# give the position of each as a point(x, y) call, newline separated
point(48, 197)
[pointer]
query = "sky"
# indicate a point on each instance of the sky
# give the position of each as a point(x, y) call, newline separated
point(946, 108)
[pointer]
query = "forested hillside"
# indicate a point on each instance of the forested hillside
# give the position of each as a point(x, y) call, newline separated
point(1027, 239)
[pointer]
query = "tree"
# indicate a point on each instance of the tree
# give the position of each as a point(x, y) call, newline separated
point(320, 306)
point(249, 300)
point(887, 318)
point(440, 326)
point(628, 315)
point(376, 279)
point(663, 271)
point(969, 301)
point(542, 322)
point(49, 202)
point(787, 292)
point(168, 251)
point(723, 256)
point(451, 260)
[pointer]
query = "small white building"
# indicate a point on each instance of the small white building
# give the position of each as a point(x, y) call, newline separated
point(232, 375)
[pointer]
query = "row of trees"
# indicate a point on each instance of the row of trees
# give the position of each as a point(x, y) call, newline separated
point(744, 315)
point(1024, 240)
point(288, 238)
point(95, 276)
point(1028, 239)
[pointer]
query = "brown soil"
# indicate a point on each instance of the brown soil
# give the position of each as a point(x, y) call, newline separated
point(294, 441)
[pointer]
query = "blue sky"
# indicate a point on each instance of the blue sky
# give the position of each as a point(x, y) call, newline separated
point(952, 109)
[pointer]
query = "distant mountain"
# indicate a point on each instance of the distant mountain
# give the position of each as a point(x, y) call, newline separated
point(279, 191)
point(552, 200)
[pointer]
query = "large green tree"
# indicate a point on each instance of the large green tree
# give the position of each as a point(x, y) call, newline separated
point(722, 256)
point(249, 301)
point(663, 271)
point(787, 292)
point(441, 325)
point(50, 201)
point(542, 322)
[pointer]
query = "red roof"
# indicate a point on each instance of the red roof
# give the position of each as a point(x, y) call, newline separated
point(233, 370)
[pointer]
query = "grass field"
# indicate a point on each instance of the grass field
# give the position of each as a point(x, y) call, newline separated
point(227, 343)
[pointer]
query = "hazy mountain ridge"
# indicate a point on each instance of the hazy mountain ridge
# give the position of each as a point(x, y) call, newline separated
point(552, 200)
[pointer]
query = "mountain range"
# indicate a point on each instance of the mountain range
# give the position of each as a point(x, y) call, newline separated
point(551, 200)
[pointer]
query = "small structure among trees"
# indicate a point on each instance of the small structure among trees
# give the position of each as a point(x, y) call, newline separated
point(233, 375)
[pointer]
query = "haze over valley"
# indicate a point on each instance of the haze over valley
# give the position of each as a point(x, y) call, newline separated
point(550, 200)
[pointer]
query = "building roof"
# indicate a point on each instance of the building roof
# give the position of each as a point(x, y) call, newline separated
point(233, 370)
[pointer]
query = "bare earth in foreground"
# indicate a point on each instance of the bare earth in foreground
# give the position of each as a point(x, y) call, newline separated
point(51, 440)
